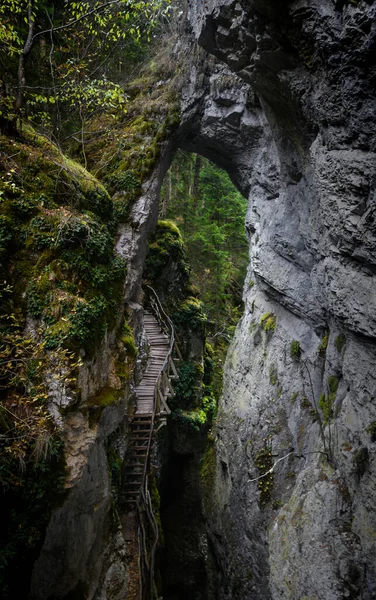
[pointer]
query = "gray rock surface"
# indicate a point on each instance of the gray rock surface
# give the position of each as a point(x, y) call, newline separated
point(290, 115)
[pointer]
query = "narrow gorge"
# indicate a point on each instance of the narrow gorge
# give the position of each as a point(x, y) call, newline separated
point(270, 495)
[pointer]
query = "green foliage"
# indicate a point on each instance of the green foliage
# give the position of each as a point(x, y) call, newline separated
point(333, 384)
point(326, 401)
point(273, 375)
point(295, 350)
point(196, 419)
point(371, 429)
point(80, 51)
point(189, 409)
point(210, 213)
point(268, 322)
point(127, 339)
point(190, 314)
point(326, 406)
point(166, 249)
point(190, 377)
point(340, 341)
point(61, 242)
point(323, 345)
point(264, 462)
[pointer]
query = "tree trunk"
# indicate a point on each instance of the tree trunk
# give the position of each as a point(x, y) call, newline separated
point(22, 60)
point(196, 179)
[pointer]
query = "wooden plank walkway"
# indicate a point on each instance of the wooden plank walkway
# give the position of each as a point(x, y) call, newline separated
point(142, 423)
point(159, 345)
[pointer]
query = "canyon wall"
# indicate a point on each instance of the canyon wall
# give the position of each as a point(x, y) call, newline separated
point(281, 95)
point(289, 111)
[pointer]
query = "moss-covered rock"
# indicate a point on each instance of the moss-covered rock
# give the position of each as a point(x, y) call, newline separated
point(57, 243)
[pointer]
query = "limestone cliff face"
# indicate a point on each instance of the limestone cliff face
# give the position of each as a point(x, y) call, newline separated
point(291, 117)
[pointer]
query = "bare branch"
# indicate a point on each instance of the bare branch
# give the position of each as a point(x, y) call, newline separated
point(85, 16)
point(272, 469)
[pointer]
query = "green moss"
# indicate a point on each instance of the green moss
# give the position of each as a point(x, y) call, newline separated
point(126, 159)
point(166, 248)
point(333, 384)
point(340, 341)
point(190, 314)
point(326, 402)
point(127, 339)
point(268, 322)
point(208, 466)
point(60, 243)
point(294, 397)
point(371, 429)
point(273, 375)
point(295, 350)
point(323, 344)
point(326, 405)
point(171, 227)
point(106, 397)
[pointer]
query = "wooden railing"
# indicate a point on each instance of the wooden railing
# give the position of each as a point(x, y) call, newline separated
point(163, 388)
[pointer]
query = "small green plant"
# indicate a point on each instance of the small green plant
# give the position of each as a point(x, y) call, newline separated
point(268, 322)
point(371, 429)
point(340, 341)
point(305, 403)
point(295, 350)
point(333, 384)
point(273, 375)
point(294, 397)
point(323, 345)
point(326, 402)
point(190, 314)
point(128, 340)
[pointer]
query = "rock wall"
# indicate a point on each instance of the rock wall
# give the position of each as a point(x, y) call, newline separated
point(84, 551)
point(291, 117)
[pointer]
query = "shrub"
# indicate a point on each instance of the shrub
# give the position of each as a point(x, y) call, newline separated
point(268, 322)
point(295, 350)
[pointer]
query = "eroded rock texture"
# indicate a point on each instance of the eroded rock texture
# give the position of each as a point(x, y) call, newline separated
point(291, 117)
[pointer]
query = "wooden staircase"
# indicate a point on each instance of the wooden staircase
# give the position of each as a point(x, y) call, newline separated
point(142, 426)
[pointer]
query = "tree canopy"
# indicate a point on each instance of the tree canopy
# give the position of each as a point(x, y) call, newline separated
point(60, 61)
point(210, 213)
